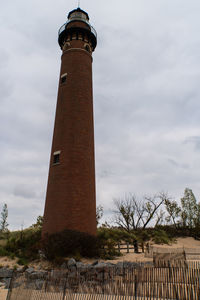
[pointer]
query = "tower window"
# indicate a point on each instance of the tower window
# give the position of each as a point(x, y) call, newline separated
point(56, 157)
point(87, 48)
point(63, 78)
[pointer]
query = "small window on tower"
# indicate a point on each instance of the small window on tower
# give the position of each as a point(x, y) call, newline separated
point(87, 48)
point(63, 78)
point(56, 157)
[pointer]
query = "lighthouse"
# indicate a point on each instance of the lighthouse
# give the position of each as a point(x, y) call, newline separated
point(70, 197)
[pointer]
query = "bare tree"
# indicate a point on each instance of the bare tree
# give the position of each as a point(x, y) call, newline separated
point(131, 213)
point(152, 206)
point(159, 217)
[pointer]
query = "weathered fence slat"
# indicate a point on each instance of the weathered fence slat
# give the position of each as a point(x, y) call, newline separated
point(116, 283)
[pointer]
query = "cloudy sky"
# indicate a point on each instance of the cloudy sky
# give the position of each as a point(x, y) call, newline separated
point(146, 74)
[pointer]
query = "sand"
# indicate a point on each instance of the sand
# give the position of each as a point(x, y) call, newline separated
point(8, 262)
point(187, 242)
point(3, 294)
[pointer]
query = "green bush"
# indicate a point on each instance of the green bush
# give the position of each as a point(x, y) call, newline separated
point(109, 239)
point(3, 252)
point(69, 243)
point(24, 244)
point(22, 262)
point(173, 232)
point(12, 255)
point(161, 237)
point(196, 233)
point(115, 234)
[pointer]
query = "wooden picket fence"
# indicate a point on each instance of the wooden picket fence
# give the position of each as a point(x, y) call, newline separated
point(189, 253)
point(111, 282)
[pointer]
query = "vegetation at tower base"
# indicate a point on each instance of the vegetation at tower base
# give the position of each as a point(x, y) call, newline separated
point(70, 243)
point(172, 219)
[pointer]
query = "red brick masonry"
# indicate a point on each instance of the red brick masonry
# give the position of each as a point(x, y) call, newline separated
point(70, 198)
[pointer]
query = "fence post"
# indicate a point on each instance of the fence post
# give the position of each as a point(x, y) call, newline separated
point(46, 284)
point(135, 286)
point(103, 280)
point(127, 247)
point(135, 245)
point(10, 286)
point(64, 291)
point(119, 247)
point(171, 278)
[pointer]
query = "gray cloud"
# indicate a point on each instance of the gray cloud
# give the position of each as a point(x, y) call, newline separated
point(195, 140)
point(24, 191)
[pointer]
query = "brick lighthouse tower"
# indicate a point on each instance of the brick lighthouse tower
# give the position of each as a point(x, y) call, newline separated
point(70, 199)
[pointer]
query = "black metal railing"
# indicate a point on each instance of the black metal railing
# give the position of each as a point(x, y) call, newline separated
point(62, 28)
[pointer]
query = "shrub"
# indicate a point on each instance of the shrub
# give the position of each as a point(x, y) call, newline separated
point(142, 236)
point(69, 243)
point(173, 232)
point(12, 255)
point(22, 262)
point(109, 239)
point(24, 244)
point(161, 237)
point(3, 252)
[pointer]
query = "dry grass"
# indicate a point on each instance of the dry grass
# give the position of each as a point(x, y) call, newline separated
point(8, 262)
point(3, 294)
point(2, 242)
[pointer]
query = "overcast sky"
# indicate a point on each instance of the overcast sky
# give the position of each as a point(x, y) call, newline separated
point(146, 73)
